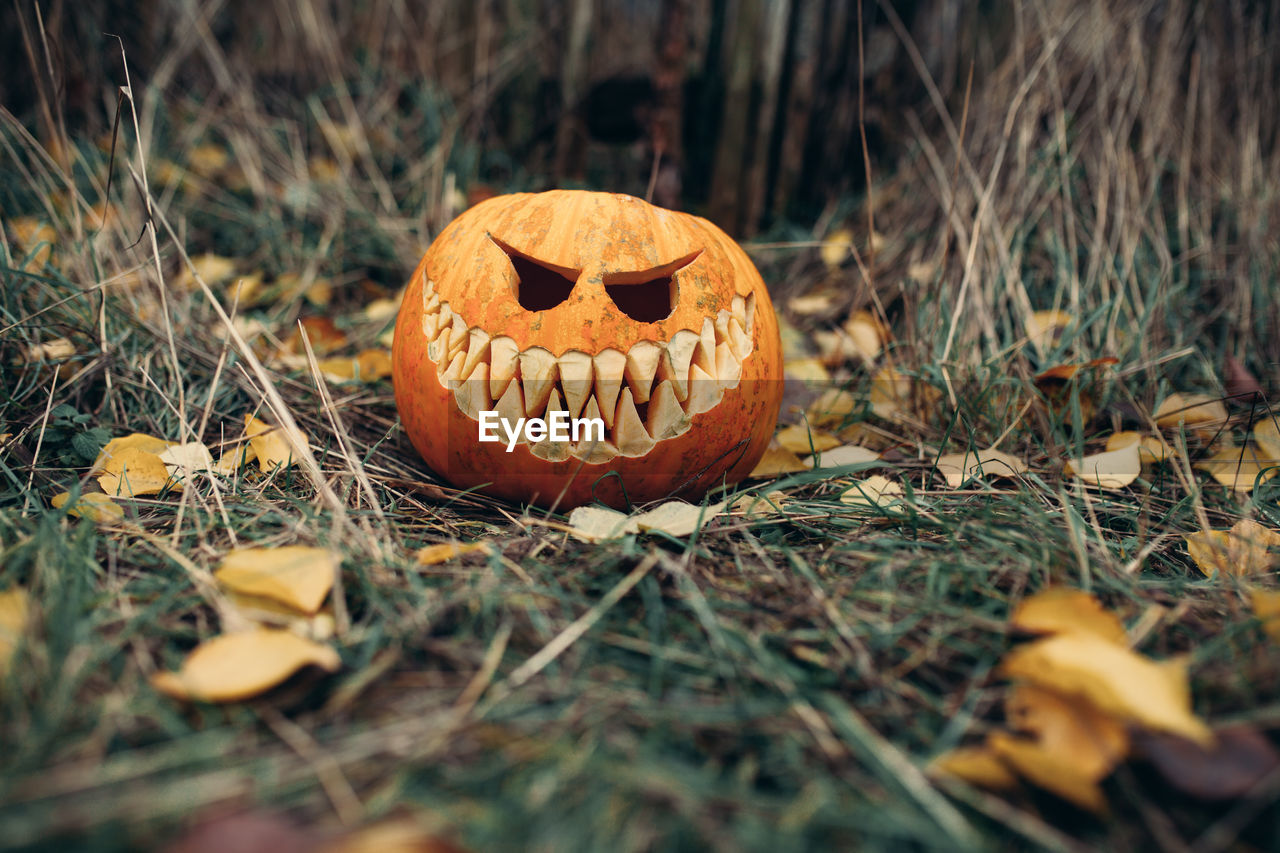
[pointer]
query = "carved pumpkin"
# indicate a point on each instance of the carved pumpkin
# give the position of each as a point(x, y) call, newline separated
point(594, 308)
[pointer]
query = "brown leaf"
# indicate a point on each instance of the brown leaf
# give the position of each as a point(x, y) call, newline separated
point(1242, 387)
point(876, 491)
point(1239, 468)
point(1230, 768)
point(433, 554)
point(1058, 610)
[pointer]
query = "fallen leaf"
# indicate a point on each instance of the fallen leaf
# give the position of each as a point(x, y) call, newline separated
point(1069, 728)
point(811, 303)
point(959, 468)
point(836, 247)
point(1043, 328)
point(1266, 606)
point(977, 765)
point(1047, 770)
point(876, 491)
point(1233, 766)
point(369, 366)
point(1061, 609)
point(15, 612)
point(833, 407)
point(272, 446)
point(394, 835)
point(1112, 469)
point(596, 524)
point(212, 269)
point(806, 370)
point(208, 159)
point(845, 454)
point(1151, 448)
point(246, 832)
point(1240, 551)
point(133, 472)
point(761, 506)
point(1116, 680)
point(94, 506)
point(802, 440)
point(233, 667)
point(322, 333)
point(296, 575)
point(776, 462)
point(890, 394)
point(134, 441)
point(57, 349)
point(183, 461)
point(1238, 468)
point(1266, 434)
point(35, 241)
point(433, 554)
point(867, 335)
point(677, 518)
point(1190, 409)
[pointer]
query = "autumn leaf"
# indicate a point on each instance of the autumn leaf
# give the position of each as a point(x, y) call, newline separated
point(845, 454)
point(1047, 770)
point(94, 506)
point(1240, 551)
point(1058, 610)
point(866, 334)
point(761, 506)
point(272, 446)
point(806, 370)
point(878, 492)
point(1239, 468)
point(296, 575)
point(677, 518)
point(133, 472)
point(1044, 327)
point(213, 269)
point(836, 247)
point(958, 468)
point(831, 408)
point(1232, 767)
point(596, 524)
point(776, 462)
point(977, 765)
point(802, 440)
point(133, 441)
point(1191, 410)
point(1266, 606)
point(1151, 448)
point(15, 612)
point(183, 461)
point(433, 554)
point(1116, 680)
point(1068, 728)
point(232, 667)
point(1111, 469)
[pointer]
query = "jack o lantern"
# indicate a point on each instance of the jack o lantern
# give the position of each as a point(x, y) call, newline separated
point(580, 346)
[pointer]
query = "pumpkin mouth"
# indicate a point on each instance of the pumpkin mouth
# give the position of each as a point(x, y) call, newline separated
point(646, 395)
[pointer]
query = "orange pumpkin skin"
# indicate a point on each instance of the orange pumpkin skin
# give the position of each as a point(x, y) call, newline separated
point(716, 342)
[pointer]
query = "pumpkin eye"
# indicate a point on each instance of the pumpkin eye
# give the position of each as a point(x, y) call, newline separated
point(646, 296)
point(539, 285)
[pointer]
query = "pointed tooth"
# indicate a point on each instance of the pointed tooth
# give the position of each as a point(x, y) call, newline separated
point(704, 392)
point(575, 379)
point(738, 308)
point(473, 394)
point(665, 417)
point(722, 326)
point(609, 368)
point(552, 451)
point(502, 365)
point(428, 288)
point(430, 301)
point(591, 451)
point(510, 408)
point(430, 326)
point(538, 372)
point(628, 430)
point(435, 351)
point(728, 368)
point(452, 375)
point(642, 365)
point(705, 354)
point(477, 351)
point(675, 362)
point(446, 317)
point(738, 340)
point(458, 336)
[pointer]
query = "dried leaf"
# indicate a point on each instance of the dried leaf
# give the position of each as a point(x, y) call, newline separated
point(1060, 609)
point(1266, 434)
point(1116, 680)
point(836, 246)
point(677, 518)
point(596, 524)
point(845, 454)
point(890, 393)
point(273, 446)
point(879, 492)
point(213, 269)
point(806, 370)
point(831, 408)
point(1112, 469)
point(394, 835)
point(15, 612)
point(233, 667)
point(296, 575)
point(1240, 551)
point(133, 472)
point(57, 349)
point(1044, 327)
point(134, 441)
point(1266, 606)
point(1239, 468)
point(867, 335)
point(94, 506)
point(959, 468)
point(1190, 409)
point(977, 765)
point(1047, 770)
point(776, 462)
point(183, 461)
point(1151, 448)
point(433, 554)
point(811, 303)
point(1230, 768)
point(1069, 728)
point(802, 440)
point(761, 506)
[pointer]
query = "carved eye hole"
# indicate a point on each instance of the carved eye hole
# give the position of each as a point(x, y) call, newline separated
point(539, 285)
point(646, 296)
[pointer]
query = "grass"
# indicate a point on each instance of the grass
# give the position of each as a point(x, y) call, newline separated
point(771, 683)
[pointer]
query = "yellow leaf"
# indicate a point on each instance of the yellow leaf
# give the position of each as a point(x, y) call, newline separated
point(890, 393)
point(1266, 606)
point(183, 461)
point(1043, 328)
point(761, 506)
point(35, 241)
point(596, 523)
point(57, 349)
point(977, 765)
point(208, 160)
point(1190, 409)
point(1241, 551)
point(876, 491)
point(133, 472)
point(1112, 469)
point(677, 518)
point(776, 462)
point(1238, 468)
point(811, 303)
point(15, 611)
point(433, 554)
point(213, 269)
point(806, 370)
point(374, 364)
point(94, 506)
point(802, 440)
point(1047, 770)
point(867, 334)
point(1068, 728)
point(134, 441)
point(296, 575)
point(1060, 609)
point(836, 246)
point(958, 468)
point(272, 446)
point(830, 409)
point(1267, 436)
point(237, 666)
point(1151, 448)
point(405, 834)
point(1118, 681)
point(845, 454)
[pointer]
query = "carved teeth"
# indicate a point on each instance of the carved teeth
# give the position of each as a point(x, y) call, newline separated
point(609, 367)
point(538, 372)
point(575, 379)
point(671, 382)
point(628, 430)
point(502, 364)
point(642, 366)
